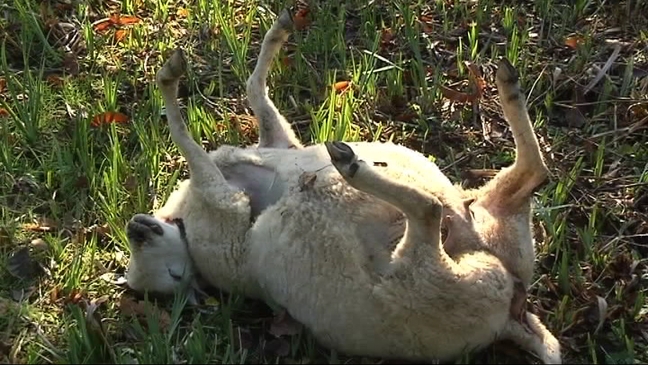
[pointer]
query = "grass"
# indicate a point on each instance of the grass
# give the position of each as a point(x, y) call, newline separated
point(68, 186)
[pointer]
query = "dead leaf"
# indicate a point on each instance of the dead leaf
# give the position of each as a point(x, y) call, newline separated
point(182, 13)
point(574, 117)
point(42, 224)
point(113, 278)
point(386, 36)
point(477, 80)
point(277, 347)
point(4, 113)
point(242, 339)
point(306, 180)
point(573, 41)
point(7, 306)
point(284, 325)
point(140, 310)
point(74, 296)
point(301, 20)
point(124, 19)
point(120, 34)
point(100, 230)
point(92, 317)
point(341, 86)
point(108, 117)
point(102, 25)
point(54, 80)
point(3, 84)
point(70, 63)
point(427, 24)
point(287, 60)
point(602, 307)
point(22, 266)
point(114, 20)
point(39, 245)
point(54, 294)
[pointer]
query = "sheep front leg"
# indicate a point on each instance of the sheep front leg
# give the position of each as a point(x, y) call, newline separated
point(422, 239)
point(274, 129)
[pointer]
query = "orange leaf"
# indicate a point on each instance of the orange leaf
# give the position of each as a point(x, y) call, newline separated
point(573, 41)
point(301, 19)
point(341, 86)
point(127, 19)
point(427, 24)
point(120, 34)
point(4, 113)
point(476, 76)
point(182, 13)
point(387, 35)
point(456, 95)
point(102, 25)
point(108, 117)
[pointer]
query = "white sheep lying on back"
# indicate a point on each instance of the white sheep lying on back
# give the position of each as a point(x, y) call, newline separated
point(346, 236)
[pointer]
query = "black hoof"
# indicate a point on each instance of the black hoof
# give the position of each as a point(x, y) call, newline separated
point(141, 226)
point(506, 72)
point(340, 152)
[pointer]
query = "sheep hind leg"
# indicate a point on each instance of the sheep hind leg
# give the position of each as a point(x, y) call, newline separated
point(511, 189)
point(531, 335)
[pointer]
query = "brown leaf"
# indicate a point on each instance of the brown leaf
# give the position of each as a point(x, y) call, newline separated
point(3, 84)
point(54, 294)
point(139, 310)
point(71, 64)
point(242, 339)
point(427, 24)
point(74, 296)
point(108, 117)
point(386, 36)
point(478, 82)
point(277, 347)
point(306, 180)
point(92, 317)
point(4, 113)
point(21, 265)
point(574, 117)
point(284, 325)
point(42, 224)
point(7, 306)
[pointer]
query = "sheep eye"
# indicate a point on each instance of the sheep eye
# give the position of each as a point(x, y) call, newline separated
point(175, 276)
